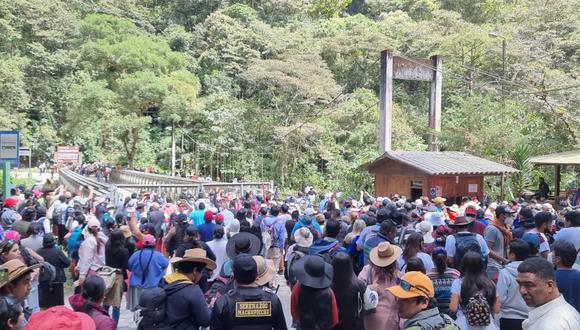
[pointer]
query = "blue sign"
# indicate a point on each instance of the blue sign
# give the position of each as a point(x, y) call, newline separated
point(10, 147)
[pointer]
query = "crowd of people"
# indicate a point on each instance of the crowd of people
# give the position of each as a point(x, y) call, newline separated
point(212, 261)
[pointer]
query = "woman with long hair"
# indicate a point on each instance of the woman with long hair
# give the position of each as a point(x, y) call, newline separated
point(92, 250)
point(380, 274)
point(52, 294)
point(473, 281)
point(442, 277)
point(414, 249)
point(357, 228)
point(312, 303)
point(350, 243)
point(89, 302)
point(116, 256)
point(349, 292)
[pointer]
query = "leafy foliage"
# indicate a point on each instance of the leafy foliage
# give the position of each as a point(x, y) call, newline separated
point(286, 89)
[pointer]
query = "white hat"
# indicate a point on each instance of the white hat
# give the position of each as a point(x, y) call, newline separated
point(426, 229)
point(234, 227)
point(418, 202)
point(303, 237)
point(493, 206)
point(454, 208)
point(435, 218)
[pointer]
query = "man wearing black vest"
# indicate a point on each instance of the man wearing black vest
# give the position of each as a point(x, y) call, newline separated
point(247, 306)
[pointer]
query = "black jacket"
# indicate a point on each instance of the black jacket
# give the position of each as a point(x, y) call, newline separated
point(117, 258)
point(55, 257)
point(223, 316)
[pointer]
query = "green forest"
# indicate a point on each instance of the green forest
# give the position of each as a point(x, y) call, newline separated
point(285, 90)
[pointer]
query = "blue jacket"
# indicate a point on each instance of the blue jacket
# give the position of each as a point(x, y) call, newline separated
point(303, 222)
point(206, 231)
point(279, 228)
point(138, 263)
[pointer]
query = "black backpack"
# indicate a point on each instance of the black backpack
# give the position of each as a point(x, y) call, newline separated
point(47, 273)
point(153, 303)
point(465, 242)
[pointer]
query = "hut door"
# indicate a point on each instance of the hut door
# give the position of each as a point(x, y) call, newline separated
point(416, 189)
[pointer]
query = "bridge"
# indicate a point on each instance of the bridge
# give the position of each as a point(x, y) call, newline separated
point(123, 183)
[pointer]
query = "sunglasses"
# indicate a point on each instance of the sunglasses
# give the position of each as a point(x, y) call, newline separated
point(407, 286)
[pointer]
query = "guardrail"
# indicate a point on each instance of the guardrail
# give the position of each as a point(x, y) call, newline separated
point(124, 182)
point(73, 181)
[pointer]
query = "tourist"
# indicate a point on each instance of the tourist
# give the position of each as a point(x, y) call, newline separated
point(442, 277)
point(380, 274)
point(218, 247)
point(498, 235)
point(206, 228)
point(543, 221)
point(349, 292)
point(52, 294)
point(117, 257)
point(266, 316)
point(11, 315)
point(572, 231)
point(273, 233)
point(176, 233)
point(462, 241)
point(386, 233)
point(90, 300)
point(568, 279)
point(328, 246)
point(186, 307)
point(92, 250)
point(16, 284)
point(147, 267)
point(266, 272)
point(474, 283)
point(416, 303)
point(537, 284)
point(414, 248)
point(426, 230)
point(313, 304)
point(304, 239)
point(513, 309)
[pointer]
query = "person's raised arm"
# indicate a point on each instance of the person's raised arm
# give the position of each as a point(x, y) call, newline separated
point(132, 223)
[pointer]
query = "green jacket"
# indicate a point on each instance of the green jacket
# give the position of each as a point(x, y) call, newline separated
point(430, 319)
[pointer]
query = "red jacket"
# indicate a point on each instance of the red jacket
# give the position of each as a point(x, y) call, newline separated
point(294, 305)
point(102, 320)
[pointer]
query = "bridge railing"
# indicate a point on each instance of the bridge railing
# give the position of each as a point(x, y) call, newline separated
point(73, 181)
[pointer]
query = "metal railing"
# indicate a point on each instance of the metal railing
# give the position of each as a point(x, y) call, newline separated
point(124, 182)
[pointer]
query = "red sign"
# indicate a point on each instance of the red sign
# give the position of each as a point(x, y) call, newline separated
point(67, 155)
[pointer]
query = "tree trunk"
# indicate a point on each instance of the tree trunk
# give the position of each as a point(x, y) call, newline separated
point(134, 144)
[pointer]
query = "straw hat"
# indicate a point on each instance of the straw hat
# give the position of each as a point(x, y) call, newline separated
point(266, 270)
point(13, 269)
point(195, 255)
point(439, 200)
point(126, 231)
point(385, 254)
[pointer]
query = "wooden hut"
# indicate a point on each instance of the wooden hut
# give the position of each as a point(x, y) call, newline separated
point(425, 173)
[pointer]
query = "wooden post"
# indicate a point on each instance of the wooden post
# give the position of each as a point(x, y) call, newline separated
point(501, 193)
point(385, 102)
point(435, 103)
point(557, 192)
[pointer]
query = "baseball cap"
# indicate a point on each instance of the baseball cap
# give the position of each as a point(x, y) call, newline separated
point(471, 210)
point(10, 201)
point(245, 269)
point(503, 209)
point(413, 284)
point(60, 317)
point(532, 239)
point(148, 240)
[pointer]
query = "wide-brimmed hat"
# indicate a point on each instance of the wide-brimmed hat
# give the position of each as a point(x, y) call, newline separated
point(312, 271)
point(435, 218)
point(266, 270)
point(60, 317)
point(438, 200)
point(195, 255)
point(303, 237)
point(385, 254)
point(126, 231)
point(243, 243)
point(13, 269)
point(462, 221)
point(425, 228)
point(413, 284)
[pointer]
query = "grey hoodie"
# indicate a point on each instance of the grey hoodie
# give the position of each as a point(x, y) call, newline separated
point(513, 305)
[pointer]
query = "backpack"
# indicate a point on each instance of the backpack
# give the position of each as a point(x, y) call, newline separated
point(153, 303)
point(270, 235)
point(327, 253)
point(289, 273)
point(477, 310)
point(47, 273)
point(73, 238)
point(464, 243)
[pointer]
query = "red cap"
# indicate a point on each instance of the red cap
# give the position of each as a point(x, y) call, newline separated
point(11, 201)
point(470, 210)
point(61, 318)
point(208, 215)
point(219, 218)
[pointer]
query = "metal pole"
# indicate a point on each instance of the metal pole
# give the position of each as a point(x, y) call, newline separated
point(6, 179)
point(173, 149)
point(503, 55)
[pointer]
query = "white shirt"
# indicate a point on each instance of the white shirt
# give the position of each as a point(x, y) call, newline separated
point(450, 245)
point(425, 258)
point(218, 247)
point(554, 315)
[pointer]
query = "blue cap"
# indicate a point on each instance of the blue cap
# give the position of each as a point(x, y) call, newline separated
point(532, 239)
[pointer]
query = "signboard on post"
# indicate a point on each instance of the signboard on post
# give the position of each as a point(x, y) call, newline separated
point(9, 147)
point(67, 155)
